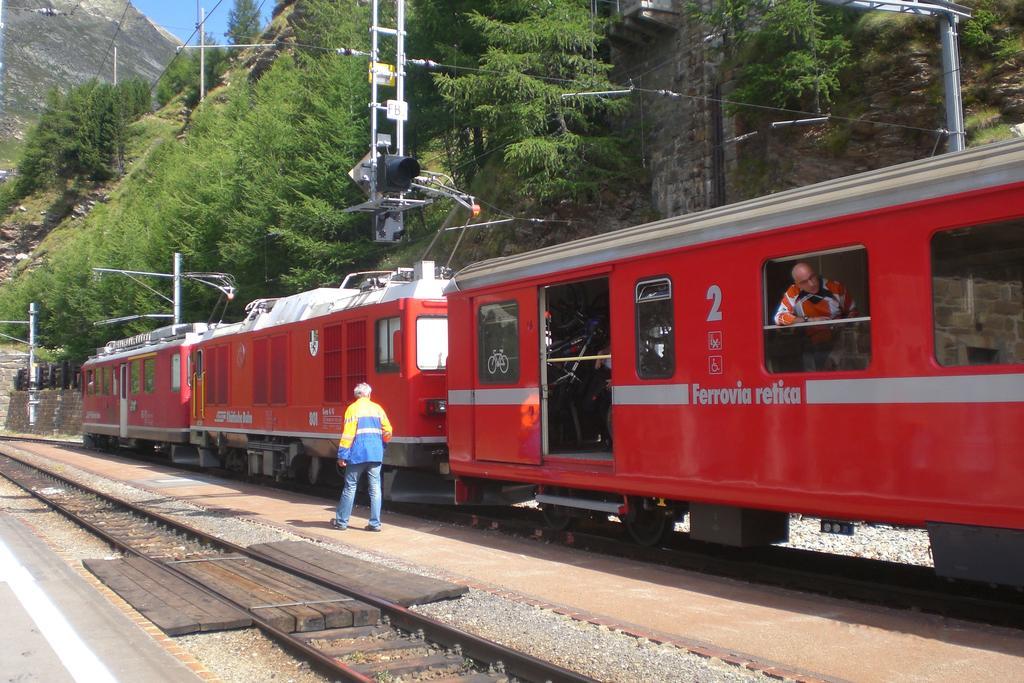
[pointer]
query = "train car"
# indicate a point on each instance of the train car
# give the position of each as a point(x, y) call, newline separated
point(270, 392)
point(644, 373)
point(135, 390)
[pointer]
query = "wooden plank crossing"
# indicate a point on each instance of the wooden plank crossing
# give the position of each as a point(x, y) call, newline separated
point(396, 586)
point(288, 602)
point(174, 605)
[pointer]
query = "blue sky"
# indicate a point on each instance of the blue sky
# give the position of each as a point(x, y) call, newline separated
point(179, 16)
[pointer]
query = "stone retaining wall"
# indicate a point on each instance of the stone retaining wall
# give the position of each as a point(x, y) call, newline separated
point(59, 412)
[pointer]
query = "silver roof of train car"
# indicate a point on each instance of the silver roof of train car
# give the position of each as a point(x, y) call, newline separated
point(972, 169)
point(420, 282)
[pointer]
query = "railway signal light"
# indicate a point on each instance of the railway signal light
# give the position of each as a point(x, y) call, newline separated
point(395, 173)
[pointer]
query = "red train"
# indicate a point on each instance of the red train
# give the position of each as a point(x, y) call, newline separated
point(267, 395)
point(642, 374)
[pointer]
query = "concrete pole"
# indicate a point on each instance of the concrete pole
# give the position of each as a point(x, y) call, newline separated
point(115, 65)
point(33, 398)
point(202, 54)
point(177, 288)
point(951, 76)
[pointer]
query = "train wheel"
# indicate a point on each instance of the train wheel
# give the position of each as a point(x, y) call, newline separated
point(314, 470)
point(556, 517)
point(89, 442)
point(648, 527)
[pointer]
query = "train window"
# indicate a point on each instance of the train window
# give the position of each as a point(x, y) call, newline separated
point(176, 372)
point(135, 376)
point(149, 375)
point(90, 382)
point(817, 312)
point(498, 339)
point(333, 379)
point(386, 359)
point(655, 333)
point(978, 294)
point(431, 342)
point(108, 380)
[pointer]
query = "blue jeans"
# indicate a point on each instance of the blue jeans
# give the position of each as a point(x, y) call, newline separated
point(348, 493)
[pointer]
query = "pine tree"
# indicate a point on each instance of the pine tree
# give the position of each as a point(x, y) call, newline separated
point(531, 56)
point(243, 22)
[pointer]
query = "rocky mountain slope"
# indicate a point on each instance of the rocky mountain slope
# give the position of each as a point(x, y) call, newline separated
point(41, 52)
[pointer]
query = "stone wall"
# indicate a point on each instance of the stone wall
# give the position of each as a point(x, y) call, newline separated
point(978, 320)
point(59, 411)
point(685, 139)
point(10, 363)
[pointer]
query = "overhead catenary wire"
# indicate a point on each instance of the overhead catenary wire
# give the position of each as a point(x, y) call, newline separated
point(120, 23)
point(156, 81)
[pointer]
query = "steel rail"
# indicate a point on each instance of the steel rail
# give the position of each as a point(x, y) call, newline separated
point(872, 581)
point(324, 664)
point(515, 663)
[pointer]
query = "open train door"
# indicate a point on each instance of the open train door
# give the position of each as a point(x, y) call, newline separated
point(506, 395)
point(122, 394)
point(575, 360)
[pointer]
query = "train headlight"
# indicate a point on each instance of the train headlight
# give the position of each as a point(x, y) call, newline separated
point(436, 407)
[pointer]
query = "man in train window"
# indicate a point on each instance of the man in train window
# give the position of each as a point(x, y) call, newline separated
point(361, 449)
point(815, 299)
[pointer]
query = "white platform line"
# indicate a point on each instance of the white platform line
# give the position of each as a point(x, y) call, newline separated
point(77, 658)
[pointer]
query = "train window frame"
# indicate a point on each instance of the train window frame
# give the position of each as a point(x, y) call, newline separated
point(149, 374)
point(484, 375)
point(135, 376)
point(845, 347)
point(970, 332)
point(442, 354)
point(90, 382)
point(175, 371)
point(384, 347)
point(643, 372)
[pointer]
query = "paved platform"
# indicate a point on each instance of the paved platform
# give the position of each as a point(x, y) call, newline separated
point(830, 639)
point(57, 628)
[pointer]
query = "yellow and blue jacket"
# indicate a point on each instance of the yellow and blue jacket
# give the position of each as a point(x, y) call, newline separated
point(367, 429)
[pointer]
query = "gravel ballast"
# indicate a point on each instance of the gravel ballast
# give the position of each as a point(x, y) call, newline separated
point(597, 651)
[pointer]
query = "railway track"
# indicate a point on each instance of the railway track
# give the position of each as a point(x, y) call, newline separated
point(864, 580)
point(399, 643)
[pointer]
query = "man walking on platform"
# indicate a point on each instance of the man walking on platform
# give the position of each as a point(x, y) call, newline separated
point(361, 449)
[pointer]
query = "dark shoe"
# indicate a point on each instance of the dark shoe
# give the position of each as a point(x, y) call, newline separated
point(335, 525)
point(371, 528)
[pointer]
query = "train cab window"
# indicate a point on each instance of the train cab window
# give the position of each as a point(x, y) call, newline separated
point(655, 334)
point(90, 382)
point(431, 342)
point(135, 376)
point(387, 361)
point(107, 377)
point(176, 372)
point(498, 343)
point(817, 312)
point(149, 375)
point(978, 294)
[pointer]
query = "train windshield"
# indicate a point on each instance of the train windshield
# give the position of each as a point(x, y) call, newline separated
point(431, 343)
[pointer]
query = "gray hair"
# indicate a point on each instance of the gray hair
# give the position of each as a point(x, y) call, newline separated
point(362, 390)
